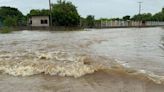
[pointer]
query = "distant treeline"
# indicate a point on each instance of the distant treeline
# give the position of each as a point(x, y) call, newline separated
point(64, 13)
point(90, 20)
point(144, 17)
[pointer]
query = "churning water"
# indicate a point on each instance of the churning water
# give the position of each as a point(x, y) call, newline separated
point(136, 51)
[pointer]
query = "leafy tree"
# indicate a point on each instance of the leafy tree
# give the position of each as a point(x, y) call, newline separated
point(162, 10)
point(90, 21)
point(149, 17)
point(65, 14)
point(12, 14)
point(36, 12)
point(143, 17)
point(9, 21)
point(159, 16)
point(9, 12)
point(127, 17)
point(82, 22)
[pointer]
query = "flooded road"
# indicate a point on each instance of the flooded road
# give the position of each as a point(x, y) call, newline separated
point(75, 61)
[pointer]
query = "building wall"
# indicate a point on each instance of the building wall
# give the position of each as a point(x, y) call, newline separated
point(36, 21)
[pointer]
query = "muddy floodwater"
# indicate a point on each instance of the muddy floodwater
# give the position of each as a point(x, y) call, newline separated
point(91, 60)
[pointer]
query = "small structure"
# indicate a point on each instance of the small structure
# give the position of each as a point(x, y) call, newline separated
point(39, 21)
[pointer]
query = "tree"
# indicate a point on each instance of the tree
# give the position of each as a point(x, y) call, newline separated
point(82, 22)
point(90, 21)
point(9, 12)
point(143, 17)
point(162, 10)
point(36, 12)
point(12, 14)
point(127, 17)
point(10, 22)
point(159, 16)
point(149, 17)
point(65, 14)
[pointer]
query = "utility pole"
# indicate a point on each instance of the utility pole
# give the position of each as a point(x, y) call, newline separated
point(140, 7)
point(50, 8)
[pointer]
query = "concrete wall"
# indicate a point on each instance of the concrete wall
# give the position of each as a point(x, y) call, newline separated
point(108, 24)
point(36, 21)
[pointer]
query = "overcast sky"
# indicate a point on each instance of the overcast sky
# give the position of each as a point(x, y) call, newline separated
point(99, 8)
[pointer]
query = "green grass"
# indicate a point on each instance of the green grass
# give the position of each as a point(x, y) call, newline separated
point(5, 30)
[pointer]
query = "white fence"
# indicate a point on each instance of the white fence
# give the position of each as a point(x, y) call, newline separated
point(105, 24)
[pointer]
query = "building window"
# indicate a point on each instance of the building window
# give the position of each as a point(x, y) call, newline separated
point(44, 22)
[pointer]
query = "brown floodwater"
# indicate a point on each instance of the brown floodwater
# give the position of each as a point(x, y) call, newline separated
point(91, 60)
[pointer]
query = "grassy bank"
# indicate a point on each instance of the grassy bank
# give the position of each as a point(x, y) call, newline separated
point(5, 30)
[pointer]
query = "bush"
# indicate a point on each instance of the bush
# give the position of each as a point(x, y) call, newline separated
point(5, 30)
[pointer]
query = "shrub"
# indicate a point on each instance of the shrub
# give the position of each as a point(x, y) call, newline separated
point(5, 30)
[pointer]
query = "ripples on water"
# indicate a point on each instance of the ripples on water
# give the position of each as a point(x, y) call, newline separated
point(75, 53)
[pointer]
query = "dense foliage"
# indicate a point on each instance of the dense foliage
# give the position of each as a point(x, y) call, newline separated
point(127, 17)
point(149, 17)
point(11, 16)
point(36, 12)
point(90, 21)
point(143, 17)
point(65, 14)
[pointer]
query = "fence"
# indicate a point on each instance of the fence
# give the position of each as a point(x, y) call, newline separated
point(108, 24)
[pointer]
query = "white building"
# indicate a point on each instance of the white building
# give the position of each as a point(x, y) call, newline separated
point(39, 21)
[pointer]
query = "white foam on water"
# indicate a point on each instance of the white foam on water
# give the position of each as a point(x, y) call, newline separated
point(46, 64)
point(65, 64)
